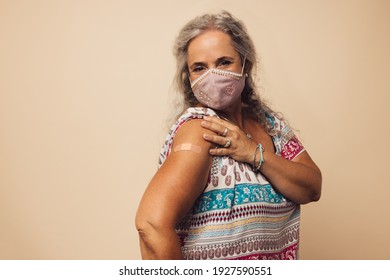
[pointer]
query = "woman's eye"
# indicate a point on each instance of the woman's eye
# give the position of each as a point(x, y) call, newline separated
point(198, 69)
point(225, 62)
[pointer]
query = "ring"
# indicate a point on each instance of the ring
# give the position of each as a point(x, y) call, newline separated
point(228, 143)
point(225, 132)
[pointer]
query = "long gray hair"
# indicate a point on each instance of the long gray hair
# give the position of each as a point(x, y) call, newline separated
point(225, 22)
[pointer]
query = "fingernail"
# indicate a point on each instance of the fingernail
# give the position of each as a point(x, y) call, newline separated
point(205, 136)
point(203, 123)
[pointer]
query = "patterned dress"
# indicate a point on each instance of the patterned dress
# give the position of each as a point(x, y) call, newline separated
point(240, 215)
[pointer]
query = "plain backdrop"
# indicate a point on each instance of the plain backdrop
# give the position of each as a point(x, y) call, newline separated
point(84, 97)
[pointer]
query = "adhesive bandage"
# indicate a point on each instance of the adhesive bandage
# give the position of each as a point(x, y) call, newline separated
point(187, 147)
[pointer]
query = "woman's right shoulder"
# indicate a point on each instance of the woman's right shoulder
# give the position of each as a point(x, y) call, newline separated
point(187, 128)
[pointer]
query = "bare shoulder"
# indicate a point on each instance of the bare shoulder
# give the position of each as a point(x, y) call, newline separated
point(189, 154)
point(192, 132)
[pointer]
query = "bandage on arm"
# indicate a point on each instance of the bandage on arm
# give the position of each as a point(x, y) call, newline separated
point(187, 147)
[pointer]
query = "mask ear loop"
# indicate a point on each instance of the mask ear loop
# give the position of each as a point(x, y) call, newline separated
point(243, 66)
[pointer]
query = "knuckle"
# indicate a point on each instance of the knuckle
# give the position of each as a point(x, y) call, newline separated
point(236, 137)
point(235, 129)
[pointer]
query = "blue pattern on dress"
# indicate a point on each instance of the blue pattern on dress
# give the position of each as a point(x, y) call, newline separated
point(241, 194)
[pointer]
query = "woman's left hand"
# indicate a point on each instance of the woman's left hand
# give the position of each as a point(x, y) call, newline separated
point(231, 140)
point(298, 180)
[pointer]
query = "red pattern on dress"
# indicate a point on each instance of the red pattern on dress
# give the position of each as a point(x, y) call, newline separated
point(292, 148)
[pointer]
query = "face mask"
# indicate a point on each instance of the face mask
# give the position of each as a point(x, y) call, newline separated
point(218, 89)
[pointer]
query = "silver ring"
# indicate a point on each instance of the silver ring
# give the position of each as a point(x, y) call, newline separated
point(225, 132)
point(228, 143)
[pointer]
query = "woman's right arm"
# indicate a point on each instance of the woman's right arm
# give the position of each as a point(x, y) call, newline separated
point(172, 192)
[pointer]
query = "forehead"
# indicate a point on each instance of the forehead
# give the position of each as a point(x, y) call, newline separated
point(210, 45)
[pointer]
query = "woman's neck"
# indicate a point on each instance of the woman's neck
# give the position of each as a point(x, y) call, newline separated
point(234, 115)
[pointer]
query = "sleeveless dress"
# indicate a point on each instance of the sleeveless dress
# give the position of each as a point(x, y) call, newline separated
point(239, 215)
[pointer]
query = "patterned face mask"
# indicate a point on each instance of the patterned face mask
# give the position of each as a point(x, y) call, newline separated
point(218, 89)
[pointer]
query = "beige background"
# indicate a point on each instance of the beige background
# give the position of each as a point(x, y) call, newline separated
point(84, 97)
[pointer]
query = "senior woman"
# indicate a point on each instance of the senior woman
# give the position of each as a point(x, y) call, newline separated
point(232, 174)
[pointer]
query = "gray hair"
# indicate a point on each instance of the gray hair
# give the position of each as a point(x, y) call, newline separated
point(225, 22)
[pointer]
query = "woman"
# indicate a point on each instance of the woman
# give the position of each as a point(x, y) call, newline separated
point(232, 173)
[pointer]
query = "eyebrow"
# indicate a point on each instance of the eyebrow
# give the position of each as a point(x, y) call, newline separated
point(218, 60)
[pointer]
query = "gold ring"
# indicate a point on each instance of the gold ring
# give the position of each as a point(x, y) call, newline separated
point(228, 143)
point(225, 132)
